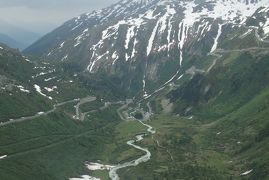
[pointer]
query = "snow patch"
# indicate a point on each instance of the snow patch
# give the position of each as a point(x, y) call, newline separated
point(38, 89)
point(91, 66)
point(61, 45)
point(180, 77)
point(151, 39)
point(246, 173)
point(130, 34)
point(97, 166)
point(162, 26)
point(76, 26)
point(43, 73)
point(85, 177)
point(64, 58)
point(115, 57)
point(215, 45)
point(2, 157)
point(23, 89)
point(50, 89)
point(49, 79)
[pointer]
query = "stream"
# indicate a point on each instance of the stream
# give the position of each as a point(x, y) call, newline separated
point(113, 171)
point(114, 168)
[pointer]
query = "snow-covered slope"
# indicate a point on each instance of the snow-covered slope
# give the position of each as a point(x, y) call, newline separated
point(142, 37)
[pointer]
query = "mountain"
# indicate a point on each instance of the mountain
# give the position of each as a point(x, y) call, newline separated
point(145, 38)
point(29, 87)
point(143, 89)
point(11, 42)
point(18, 97)
point(23, 37)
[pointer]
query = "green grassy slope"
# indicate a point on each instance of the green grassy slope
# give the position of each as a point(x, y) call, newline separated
point(16, 70)
point(55, 146)
point(234, 80)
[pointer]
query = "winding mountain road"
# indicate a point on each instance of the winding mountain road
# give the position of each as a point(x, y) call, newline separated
point(39, 114)
point(113, 169)
point(218, 52)
point(79, 115)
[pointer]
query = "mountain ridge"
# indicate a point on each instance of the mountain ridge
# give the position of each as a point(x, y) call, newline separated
point(168, 30)
point(23, 36)
point(198, 83)
point(5, 39)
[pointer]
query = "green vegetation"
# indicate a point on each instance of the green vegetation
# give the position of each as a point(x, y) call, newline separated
point(54, 147)
point(91, 106)
point(226, 88)
point(21, 104)
point(217, 129)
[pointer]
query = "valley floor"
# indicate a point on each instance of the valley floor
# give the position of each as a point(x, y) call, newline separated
point(55, 146)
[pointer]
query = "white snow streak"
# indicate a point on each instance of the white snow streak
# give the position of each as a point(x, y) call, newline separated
point(49, 79)
point(38, 89)
point(215, 45)
point(162, 25)
point(85, 177)
point(246, 173)
point(97, 166)
point(2, 157)
point(23, 89)
point(151, 39)
point(130, 34)
point(50, 89)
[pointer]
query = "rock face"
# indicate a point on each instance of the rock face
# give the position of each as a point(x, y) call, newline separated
point(142, 44)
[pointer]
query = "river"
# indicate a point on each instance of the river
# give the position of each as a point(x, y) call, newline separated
point(113, 169)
